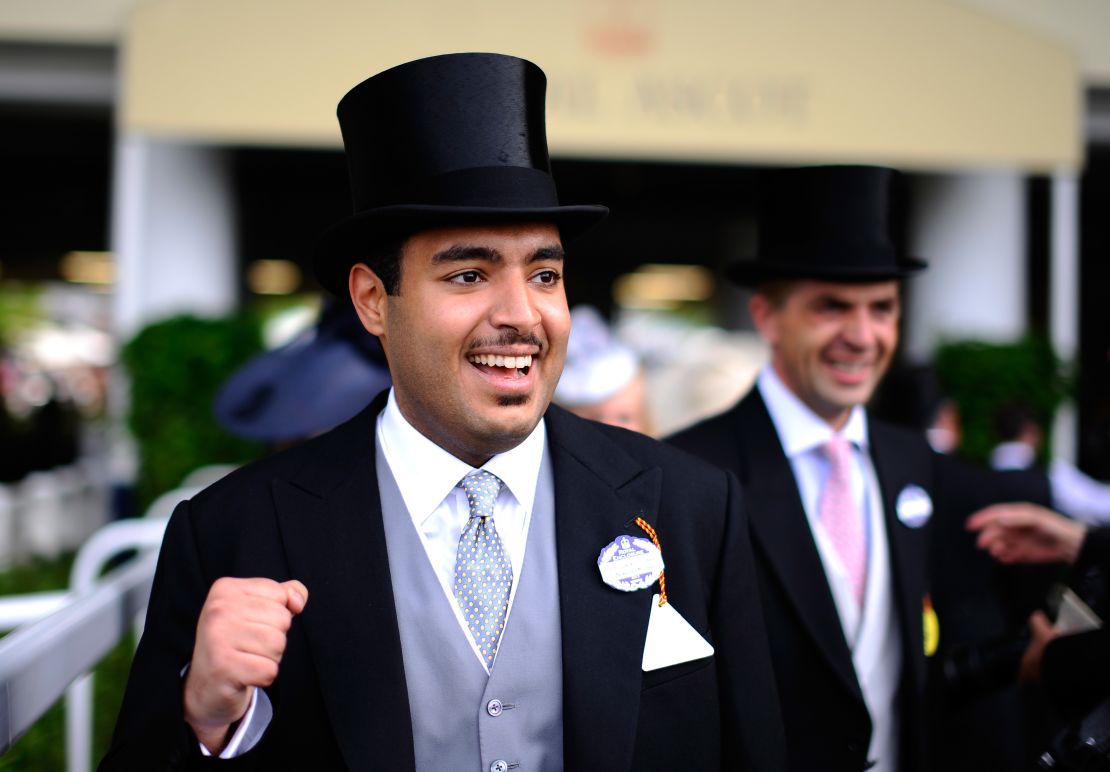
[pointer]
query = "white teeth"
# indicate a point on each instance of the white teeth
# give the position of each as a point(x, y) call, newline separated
point(849, 367)
point(492, 360)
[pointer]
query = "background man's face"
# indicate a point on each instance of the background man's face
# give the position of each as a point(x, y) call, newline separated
point(470, 297)
point(830, 342)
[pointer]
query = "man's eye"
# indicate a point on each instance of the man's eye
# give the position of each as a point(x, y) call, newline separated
point(467, 277)
point(547, 277)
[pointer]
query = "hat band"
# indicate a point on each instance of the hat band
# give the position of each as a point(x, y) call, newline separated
point(502, 187)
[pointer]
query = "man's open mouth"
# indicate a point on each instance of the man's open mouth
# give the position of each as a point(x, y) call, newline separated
point(520, 364)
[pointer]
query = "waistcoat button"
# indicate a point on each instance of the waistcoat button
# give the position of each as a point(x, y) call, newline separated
point(499, 766)
point(494, 708)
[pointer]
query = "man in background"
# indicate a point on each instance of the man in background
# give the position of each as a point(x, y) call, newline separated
point(838, 502)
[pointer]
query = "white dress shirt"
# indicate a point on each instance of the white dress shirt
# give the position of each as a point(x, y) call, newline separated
point(428, 478)
point(803, 435)
point(872, 631)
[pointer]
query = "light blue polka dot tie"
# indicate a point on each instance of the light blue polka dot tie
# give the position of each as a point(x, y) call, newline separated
point(483, 573)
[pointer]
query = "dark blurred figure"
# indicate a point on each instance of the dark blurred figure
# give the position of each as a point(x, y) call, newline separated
point(985, 720)
point(1074, 493)
point(912, 396)
point(323, 377)
point(1072, 662)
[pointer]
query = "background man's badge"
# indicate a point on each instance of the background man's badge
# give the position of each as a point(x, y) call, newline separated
point(914, 507)
point(630, 563)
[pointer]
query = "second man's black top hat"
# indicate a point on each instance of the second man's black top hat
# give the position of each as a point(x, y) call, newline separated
point(452, 139)
point(825, 222)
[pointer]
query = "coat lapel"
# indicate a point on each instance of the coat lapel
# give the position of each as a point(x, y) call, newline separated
point(599, 489)
point(894, 466)
point(780, 527)
point(331, 524)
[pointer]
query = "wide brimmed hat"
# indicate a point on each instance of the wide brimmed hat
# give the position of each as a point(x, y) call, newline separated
point(319, 380)
point(457, 139)
point(825, 222)
point(598, 365)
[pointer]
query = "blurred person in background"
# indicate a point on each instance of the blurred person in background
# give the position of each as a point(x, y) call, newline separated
point(1069, 658)
point(602, 379)
point(845, 508)
point(986, 721)
point(1073, 493)
point(421, 587)
point(837, 502)
point(1023, 533)
point(323, 377)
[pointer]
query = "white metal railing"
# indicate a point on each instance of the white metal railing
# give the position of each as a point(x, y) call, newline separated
point(60, 636)
point(55, 654)
point(38, 662)
point(109, 541)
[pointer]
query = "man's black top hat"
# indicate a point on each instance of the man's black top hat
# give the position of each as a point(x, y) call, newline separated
point(457, 139)
point(824, 222)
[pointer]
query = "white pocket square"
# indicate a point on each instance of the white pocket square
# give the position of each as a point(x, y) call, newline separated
point(670, 639)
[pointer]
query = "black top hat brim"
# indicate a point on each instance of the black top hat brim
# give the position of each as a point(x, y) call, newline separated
point(825, 222)
point(752, 272)
point(350, 241)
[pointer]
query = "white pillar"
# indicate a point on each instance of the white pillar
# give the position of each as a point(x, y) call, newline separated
point(173, 232)
point(971, 229)
point(1064, 300)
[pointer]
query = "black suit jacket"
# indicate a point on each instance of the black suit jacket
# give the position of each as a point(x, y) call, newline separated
point(828, 727)
point(340, 700)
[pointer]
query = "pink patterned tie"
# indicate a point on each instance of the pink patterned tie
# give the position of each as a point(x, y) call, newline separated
point(839, 516)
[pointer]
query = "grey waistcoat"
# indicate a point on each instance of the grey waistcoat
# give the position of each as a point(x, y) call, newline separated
point(462, 718)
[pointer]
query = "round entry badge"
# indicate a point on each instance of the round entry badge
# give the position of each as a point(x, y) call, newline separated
point(914, 507)
point(630, 563)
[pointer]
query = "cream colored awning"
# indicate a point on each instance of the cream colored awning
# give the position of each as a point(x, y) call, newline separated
point(915, 83)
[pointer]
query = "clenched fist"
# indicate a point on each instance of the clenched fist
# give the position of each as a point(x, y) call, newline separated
point(240, 641)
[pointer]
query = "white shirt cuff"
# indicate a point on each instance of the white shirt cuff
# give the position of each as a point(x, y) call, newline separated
point(253, 725)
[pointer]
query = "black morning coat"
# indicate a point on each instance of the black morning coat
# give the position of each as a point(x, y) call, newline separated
point(340, 701)
point(828, 727)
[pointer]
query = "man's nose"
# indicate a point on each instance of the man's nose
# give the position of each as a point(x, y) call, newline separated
point(860, 330)
point(515, 307)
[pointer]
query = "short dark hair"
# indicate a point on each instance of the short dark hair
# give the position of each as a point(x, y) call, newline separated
point(384, 259)
point(1013, 419)
point(776, 290)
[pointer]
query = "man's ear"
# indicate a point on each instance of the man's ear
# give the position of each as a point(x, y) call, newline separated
point(368, 296)
point(762, 312)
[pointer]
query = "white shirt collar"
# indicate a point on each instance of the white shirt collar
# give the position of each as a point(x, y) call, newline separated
point(801, 430)
point(1013, 455)
point(426, 473)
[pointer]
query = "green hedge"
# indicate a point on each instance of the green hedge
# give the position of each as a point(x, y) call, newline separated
point(176, 367)
point(984, 377)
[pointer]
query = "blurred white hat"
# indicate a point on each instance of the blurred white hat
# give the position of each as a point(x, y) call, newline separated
point(597, 366)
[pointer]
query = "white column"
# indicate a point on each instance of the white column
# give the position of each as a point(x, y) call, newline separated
point(970, 228)
point(173, 232)
point(1064, 300)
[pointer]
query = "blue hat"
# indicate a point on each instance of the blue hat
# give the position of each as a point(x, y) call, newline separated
point(319, 380)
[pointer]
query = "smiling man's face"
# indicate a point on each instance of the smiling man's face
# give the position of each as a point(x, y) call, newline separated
point(476, 337)
point(830, 343)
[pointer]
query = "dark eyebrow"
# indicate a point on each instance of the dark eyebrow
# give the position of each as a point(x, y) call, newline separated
point(463, 252)
point(553, 252)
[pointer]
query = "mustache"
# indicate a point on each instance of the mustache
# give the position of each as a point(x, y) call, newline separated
point(510, 338)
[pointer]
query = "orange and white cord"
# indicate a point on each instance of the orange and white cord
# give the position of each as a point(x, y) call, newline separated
point(646, 526)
